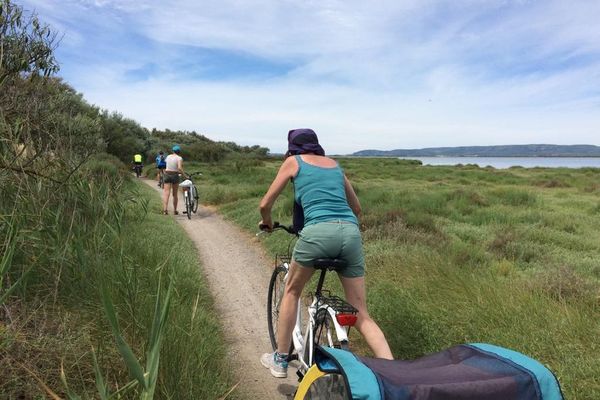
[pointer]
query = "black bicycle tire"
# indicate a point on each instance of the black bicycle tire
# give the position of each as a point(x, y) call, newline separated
point(161, 181)
point(270, 312)
point(196, 198)
point(188, 207)
point(320, 323)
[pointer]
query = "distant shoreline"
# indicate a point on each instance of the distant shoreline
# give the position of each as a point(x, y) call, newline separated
point(509, 162)
point(463, 156)
point(517, 150)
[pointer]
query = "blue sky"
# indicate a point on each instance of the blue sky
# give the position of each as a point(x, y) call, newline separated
point(364, 74)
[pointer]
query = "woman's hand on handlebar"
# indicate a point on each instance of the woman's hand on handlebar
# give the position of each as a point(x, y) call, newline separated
point(266, 226)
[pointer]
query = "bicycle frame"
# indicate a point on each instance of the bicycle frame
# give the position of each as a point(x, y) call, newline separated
point(327, 314)
point(300, 339)
point(308, 337)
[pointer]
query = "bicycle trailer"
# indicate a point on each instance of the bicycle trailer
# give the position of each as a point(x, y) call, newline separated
point(464, 372)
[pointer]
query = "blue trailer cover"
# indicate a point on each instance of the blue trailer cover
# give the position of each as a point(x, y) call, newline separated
point(362, 382)
point(547, 383)
point(466, 372)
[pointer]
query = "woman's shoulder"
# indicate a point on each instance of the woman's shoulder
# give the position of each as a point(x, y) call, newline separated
point(320, 161)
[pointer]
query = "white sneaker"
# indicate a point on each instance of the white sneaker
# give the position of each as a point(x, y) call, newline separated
point(278, 367)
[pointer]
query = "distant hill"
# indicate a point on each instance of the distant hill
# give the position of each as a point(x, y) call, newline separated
point(521, 150)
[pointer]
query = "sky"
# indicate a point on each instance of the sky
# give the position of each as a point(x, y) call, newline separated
point(380, 74)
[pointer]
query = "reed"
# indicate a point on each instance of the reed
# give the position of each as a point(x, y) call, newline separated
point(84, 309)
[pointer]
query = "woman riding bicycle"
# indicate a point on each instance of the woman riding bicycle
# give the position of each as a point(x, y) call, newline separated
point(330, 231)
point(174, 168)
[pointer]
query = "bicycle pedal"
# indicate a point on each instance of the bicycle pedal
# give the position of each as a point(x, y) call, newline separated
point(300, 375)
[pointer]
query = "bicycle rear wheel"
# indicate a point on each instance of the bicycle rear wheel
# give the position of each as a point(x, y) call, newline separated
point(195, 198)
point(188, 206)
point(325, 333)
point(161, 180)
point(276, 287)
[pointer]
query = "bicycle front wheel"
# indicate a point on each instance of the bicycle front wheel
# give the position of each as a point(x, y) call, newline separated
point(325, 333)
point(188, 206)
point(195, 198)
point(276, 287)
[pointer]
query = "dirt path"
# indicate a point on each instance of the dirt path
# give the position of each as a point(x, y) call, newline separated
point(238, 275)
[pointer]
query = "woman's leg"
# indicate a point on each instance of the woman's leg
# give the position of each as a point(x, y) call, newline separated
point(175, 196)
point(165, 196)
point(354, 289)
point(297, 278)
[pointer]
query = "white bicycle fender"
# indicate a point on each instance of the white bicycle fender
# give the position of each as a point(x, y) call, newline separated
point(341, 332)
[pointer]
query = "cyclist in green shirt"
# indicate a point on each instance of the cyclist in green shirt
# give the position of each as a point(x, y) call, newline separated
point(137, 164)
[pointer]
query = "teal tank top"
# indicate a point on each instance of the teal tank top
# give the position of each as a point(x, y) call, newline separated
point(321, 193)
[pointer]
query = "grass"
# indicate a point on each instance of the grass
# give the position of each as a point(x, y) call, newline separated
point(464, 254)
point(103, 231)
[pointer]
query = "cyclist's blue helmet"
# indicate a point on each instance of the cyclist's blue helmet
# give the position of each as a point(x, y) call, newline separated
point(176, 149)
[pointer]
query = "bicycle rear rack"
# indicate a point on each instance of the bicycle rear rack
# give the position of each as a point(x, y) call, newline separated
point(339, 305)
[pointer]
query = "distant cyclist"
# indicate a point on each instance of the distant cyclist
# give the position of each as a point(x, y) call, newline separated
point(137, 164)
point(161, 164)
point(174, 167)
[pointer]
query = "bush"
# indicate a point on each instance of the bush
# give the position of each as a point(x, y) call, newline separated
point(105, 170)
point(563, 283)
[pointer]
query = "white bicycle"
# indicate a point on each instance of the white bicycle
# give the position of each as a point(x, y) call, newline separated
point(325, 322)
point(190, 195)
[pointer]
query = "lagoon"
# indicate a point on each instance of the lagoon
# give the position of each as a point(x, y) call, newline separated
point(507, 162)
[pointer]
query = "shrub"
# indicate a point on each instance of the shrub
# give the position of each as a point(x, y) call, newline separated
point(552, 183)
point(105, 170)
point(515, 197)
point(563, 283)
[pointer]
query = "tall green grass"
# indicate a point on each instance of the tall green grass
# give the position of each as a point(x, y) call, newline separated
point(152, 330)
point(464, 254)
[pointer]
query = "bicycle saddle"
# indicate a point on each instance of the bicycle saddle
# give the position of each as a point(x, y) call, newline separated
point(332, 264)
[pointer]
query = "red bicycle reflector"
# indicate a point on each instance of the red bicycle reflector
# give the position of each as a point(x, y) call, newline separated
point(346, 319)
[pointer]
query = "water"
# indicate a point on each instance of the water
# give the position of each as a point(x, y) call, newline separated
point(507, 162)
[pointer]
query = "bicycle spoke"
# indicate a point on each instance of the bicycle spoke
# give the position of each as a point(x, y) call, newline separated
point(325, 332)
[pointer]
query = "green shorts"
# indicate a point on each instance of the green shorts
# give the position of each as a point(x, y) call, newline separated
point(334, 239)
point(171, 178)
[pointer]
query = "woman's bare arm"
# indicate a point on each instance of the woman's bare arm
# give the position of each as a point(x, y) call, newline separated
point(353, 201)
point(287, 170)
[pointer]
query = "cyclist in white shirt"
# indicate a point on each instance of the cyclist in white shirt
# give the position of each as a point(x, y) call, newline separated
point(172, 172)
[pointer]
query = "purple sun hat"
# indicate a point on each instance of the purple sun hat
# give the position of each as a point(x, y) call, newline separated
point(302, 141)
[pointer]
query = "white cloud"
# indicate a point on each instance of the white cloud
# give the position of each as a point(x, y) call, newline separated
point(383, 74)
point(347, 119)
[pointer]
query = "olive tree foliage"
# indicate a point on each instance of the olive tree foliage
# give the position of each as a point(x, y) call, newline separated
point(197, 147)
point(26, 44)
point(123, 137)
point(46, 129)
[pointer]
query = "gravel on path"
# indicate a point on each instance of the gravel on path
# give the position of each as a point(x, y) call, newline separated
point(238, 271)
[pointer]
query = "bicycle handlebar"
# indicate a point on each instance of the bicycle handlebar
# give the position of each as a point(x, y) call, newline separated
point(192, 174)
point(276, 225)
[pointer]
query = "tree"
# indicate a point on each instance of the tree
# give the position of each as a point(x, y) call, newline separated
point(26, 45)
point(46, 128)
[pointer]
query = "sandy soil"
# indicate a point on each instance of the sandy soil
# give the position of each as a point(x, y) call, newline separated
point(238, 272)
